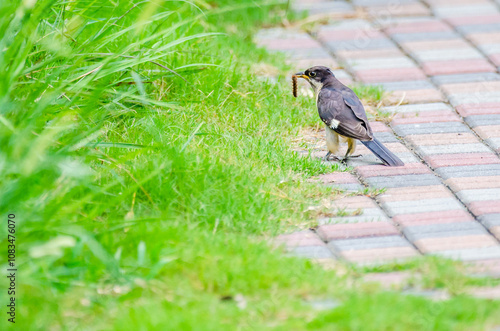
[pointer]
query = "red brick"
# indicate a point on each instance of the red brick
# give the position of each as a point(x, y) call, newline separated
point(339, 178)
point(484, 37)
point(428, 245)
point(379, 254)
point(414, 27)
point(374, 53)
point(401, 9)
point(355, 202)
point(485, 207)
point(437, 217)
point(356, 230)
point(379, 127)
point(302, 238)
point(495, 58)
point(434, 44)
point(495, 230)
point(446, 160)
point(415, 193)
point(470, 183)
point(475, 87)
point(426, 117)
point(381, 170)
point(473, 20)
point(416, 96)
point(390, 75)
point(488, 267)
point(478, 109)
point(457, 67)
point(442, 138)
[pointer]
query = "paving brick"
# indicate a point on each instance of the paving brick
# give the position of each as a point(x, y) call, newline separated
point(426, 117)
point(386, 137)
point(300, 64)
point(286, 44)
point(481, 120)
point(465, 78)
point(472, 254)
point(468, 196)
point(379, 254)
point(412, 46)
point(469, 171)
point(484, 207)
point(475, 87)
point(381, 170)
point(428, 245)
point(367, 215)
point(417, 27)
point(495, 58)
point(407, 85)
point(430, 128)
point(490, 220)
point(355, 202)
point(420, 108)
point(402, 9)
point(477, 28)
point(379, 127)
point(356, 230)
point(467, 183)
point(478, 109)
point(402, 181)
point(389, 75)
point(419, 206)
point(473, 20)
point(362, 54)
point(457, 67)
point(371, 159)
point(381, 63)
point(494, 143)
point(389, 280)
point(461, 159)
point(312, 252)
point(489, 48)
point(414, 233)
point(491, 292)
point(424, 36)
point(338, 177)
point(478, 97)
point(452, 149)
point(484, 37)
point(368, 243)
point(438, 217)
point(328, 34)
point(302, 238)
point(441, 138)
point(446, 55)
point(414, 193)
point(305, 53)
point(334, 9)
point(359, 44)
point(416, 96)
point(464, 10)
point(489, 268)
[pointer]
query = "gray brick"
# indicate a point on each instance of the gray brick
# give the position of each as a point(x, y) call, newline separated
point(464, 10)
point(414, 233)
point(479, 120)
point(403, 181)
point(494, 143)
point(312, 252)
point(468, 196)
point(490, 220)
point(353, 187)
point(370, 159)
point(386, 137)
point(425, 150)
point(381, 63)
point(422, 107)
point(478, 28)
point(489, 49)
point(472, 254)
point(465, 78)
point(421, 36)
point(469, 171)
point(407, 85)
point(419, 206)
point(359, 44)
point(306, 53)
point(428, 128)
point(447, 54)
point(479, 97)
point(368, 243)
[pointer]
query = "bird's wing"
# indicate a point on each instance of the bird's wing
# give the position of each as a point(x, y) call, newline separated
point(352, 100)
point(337, 114)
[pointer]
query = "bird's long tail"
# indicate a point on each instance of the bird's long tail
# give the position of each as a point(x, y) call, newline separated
point(385, 155)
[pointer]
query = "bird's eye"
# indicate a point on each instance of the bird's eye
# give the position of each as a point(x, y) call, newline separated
point(312, 74)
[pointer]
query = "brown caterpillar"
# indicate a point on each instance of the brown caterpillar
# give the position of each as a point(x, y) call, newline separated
point(294, 85)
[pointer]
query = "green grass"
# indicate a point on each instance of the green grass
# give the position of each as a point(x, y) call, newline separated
point(146, 165)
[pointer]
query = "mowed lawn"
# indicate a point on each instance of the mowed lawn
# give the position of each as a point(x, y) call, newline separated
point(148, 163)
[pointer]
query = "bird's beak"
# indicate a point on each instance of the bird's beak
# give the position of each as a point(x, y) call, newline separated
point(302, 75)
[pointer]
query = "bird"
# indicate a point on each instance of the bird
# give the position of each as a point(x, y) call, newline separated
point(344, 115)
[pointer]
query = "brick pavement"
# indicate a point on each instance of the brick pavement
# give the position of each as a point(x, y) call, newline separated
point(443, 57)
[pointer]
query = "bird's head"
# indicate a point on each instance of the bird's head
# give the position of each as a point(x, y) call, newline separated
point(317, 76)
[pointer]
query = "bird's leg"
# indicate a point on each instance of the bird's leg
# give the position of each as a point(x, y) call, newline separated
point(327, 156)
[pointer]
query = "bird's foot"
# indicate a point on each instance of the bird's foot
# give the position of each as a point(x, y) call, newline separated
point(330, 155)
point(359, 155)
